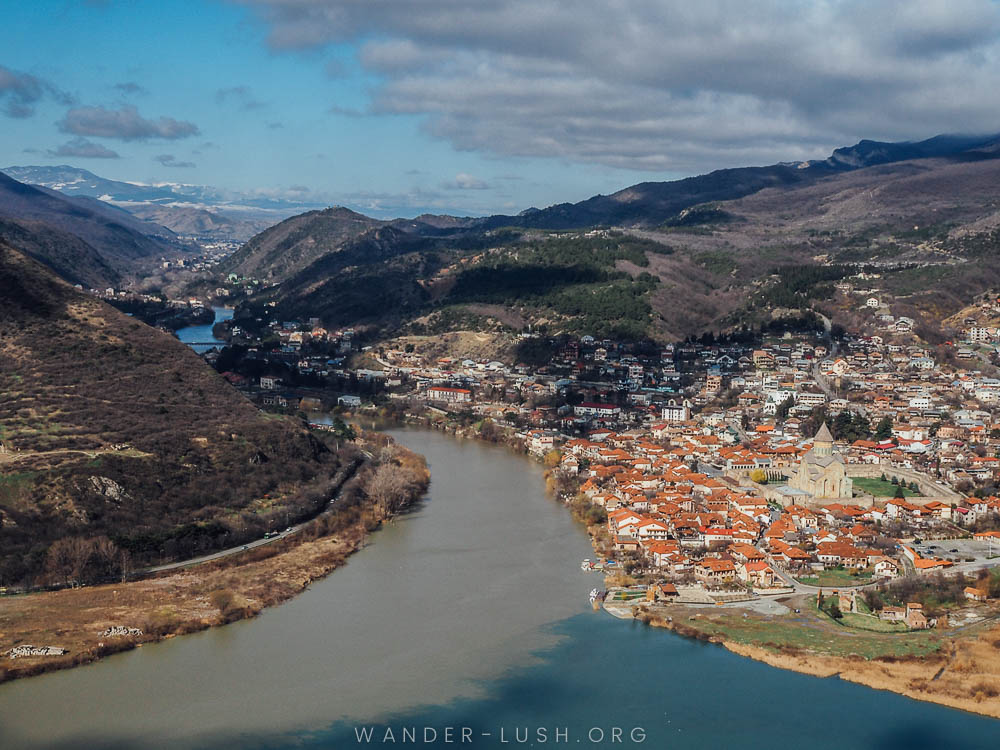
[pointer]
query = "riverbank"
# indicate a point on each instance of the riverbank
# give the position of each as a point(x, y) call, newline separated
point(96, 621)
point(954, 667)
point(958, 667)
point(965, 675)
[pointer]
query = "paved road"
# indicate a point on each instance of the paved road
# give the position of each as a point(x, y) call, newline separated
point(804, 588)
point(291, 531)
point(224, 553)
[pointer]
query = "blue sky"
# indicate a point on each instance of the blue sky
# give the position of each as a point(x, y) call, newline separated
point(266, 120)
point(395, 107)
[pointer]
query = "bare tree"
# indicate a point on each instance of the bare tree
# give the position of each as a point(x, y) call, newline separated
point(81, 552)
point(59, 561)
point(388, 487)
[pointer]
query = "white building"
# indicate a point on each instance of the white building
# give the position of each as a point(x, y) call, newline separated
point(674, 412)
point(449, 395)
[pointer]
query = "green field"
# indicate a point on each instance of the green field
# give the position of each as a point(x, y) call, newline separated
point(870, 623)
point(880, 488)
point(814, 634)
point(837, 577)
point(629, 596)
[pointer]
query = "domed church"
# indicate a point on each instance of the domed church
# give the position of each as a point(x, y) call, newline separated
point(821, 473)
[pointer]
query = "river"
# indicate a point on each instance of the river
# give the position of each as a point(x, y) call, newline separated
point(203, 334)
point(470, 611)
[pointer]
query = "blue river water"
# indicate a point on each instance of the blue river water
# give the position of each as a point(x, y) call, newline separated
point(466, 618)
point(203, 334)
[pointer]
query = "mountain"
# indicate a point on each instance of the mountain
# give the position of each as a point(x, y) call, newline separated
point(377, 275)
point(118, 215)
point(652, 203)
point(75, 181)
point(112, 429)
point(66, 254)
point(290, 246)
point(870, 153)
point(190, 210)
point(199, 222)
point(122, 243)
point(711, 252)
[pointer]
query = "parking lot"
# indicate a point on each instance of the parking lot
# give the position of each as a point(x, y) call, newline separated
point(959, 550)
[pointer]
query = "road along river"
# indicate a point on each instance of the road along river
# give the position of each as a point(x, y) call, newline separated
point(470, 612)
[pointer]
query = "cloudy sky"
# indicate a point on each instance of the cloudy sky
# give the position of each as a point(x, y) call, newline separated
point(395, 107)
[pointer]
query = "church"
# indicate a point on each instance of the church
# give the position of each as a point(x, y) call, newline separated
point(821, 473)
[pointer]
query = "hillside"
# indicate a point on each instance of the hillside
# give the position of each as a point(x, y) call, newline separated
point(928, 227)
point(287, 248)
point(198, 222)
point(122, 242)
point(111, 430)
point(66, 254)
point(649, 204)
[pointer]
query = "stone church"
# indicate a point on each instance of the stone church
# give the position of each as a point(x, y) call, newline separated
point(821, 473)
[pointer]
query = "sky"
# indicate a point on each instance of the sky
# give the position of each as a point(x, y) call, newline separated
point(472, 107)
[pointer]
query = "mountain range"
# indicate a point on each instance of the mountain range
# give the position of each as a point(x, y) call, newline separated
point(924, 208)
point(730, 246)
point(85, 240)
point(197, 211)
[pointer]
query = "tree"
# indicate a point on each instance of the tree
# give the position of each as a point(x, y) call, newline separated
point(385, 488)
point(783, 408)
point(58, 560)
point(883, 430)
point(899, 492)
point(759, 476)
point(835, 612)
point(552, 458)
point(841, 426)
point(343, 430)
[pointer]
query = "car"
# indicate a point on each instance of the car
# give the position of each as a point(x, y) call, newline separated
point(245, 547)
point(953, 550)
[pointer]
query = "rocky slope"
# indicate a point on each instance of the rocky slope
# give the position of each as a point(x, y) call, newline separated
point(113, 430)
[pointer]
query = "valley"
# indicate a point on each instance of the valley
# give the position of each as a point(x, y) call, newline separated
point(673, 355)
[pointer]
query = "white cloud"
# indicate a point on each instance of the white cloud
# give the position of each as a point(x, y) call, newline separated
point(657, 85)
point(20, 92)
point(169, 160)
point(125, 123)
point(465, 181)
point(81, 148)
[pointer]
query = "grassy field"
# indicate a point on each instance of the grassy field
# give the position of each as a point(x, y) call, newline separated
point(958, 668)
point(880, 488)
point(836, 577)
point(871, 623)
point(813, 632)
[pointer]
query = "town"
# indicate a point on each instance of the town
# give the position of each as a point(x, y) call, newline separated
point(798, 462)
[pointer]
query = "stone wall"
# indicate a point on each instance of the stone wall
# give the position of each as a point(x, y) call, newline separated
point(929, 489)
